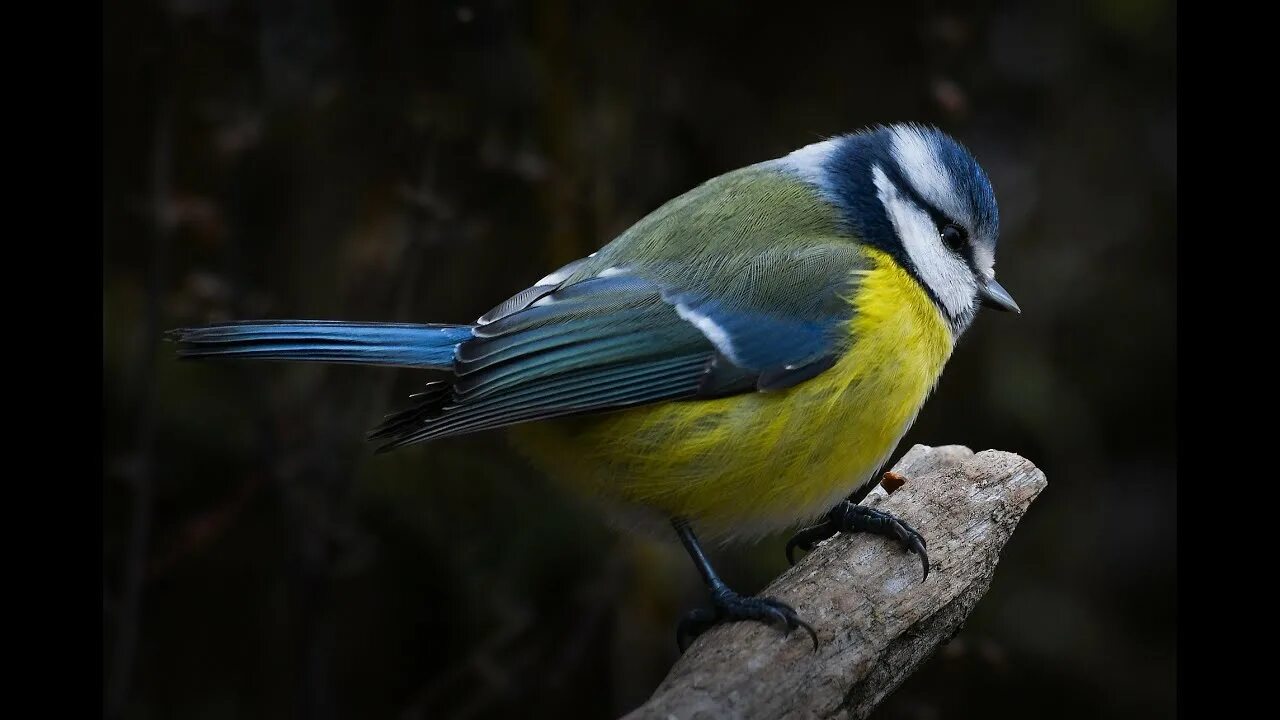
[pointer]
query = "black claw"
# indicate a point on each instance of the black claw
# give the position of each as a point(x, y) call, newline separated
point(780, 619)
point(848, 517)
point(729, 606)
point(914, 542)
point(793, 620)
point(808, 538)
point(693, 624)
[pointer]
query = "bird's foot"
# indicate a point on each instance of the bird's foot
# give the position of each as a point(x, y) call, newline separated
point(848, 517)
point(729, 606)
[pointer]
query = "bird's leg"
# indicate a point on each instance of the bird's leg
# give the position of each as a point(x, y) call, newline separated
point(851, 517)
point(727, 605)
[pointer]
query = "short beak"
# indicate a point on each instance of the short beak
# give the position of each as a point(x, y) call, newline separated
point(996, 297)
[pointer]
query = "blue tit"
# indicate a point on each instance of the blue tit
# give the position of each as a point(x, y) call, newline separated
point(742, 359)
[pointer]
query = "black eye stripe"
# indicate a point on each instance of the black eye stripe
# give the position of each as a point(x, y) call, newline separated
point(906, 189)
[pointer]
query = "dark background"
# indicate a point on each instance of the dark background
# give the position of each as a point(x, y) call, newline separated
point(420, 162)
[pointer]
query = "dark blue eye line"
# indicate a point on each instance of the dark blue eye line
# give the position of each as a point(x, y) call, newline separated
point(958, 243)
point(940, 219)
point(851, 168)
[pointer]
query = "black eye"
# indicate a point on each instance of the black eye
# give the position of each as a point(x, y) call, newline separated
point(954, 237)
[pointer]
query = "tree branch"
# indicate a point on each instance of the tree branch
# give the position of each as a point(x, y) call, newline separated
point(876, 621)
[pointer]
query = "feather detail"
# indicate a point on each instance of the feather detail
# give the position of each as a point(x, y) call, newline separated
point(329, 341)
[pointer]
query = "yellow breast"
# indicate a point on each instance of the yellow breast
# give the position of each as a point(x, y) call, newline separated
point(757, 462)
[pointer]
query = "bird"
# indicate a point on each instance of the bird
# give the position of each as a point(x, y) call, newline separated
point(740, 361)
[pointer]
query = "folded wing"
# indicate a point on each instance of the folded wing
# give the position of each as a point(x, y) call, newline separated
point(605, 338)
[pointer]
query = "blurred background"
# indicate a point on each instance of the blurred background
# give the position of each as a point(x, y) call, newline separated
point(420, 161)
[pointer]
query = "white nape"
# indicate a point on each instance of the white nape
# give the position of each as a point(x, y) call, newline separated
point(809, 162)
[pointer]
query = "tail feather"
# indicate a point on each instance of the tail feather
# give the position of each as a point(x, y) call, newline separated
point(327, 341)
point(426, 405)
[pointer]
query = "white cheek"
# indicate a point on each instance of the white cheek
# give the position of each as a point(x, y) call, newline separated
point(945, 274)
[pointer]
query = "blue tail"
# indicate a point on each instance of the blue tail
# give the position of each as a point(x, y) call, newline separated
point(327, 341)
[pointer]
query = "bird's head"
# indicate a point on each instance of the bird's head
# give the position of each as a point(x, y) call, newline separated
point(920, 196)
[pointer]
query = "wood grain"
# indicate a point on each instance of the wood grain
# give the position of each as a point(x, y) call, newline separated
point(876, 621)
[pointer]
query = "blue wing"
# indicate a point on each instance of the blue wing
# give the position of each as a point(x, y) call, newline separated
point(740, 285)
point(621, 338)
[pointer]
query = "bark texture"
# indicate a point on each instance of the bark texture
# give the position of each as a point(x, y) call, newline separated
point(876, 621)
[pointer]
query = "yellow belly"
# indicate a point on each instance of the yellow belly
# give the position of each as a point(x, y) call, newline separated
point(757, 462)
